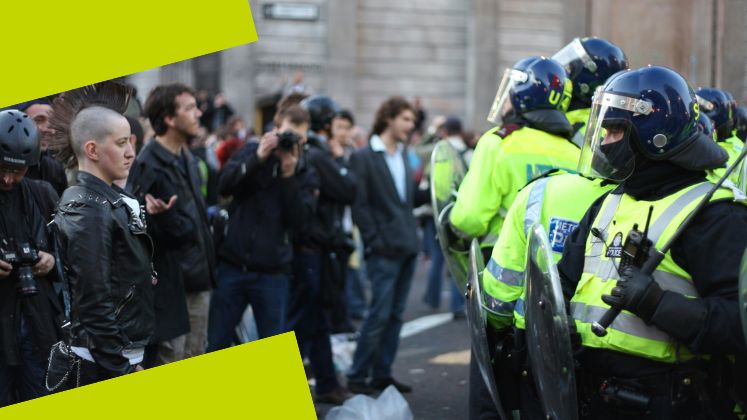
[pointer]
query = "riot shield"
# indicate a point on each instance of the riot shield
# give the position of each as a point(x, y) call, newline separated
point(743, 293)
point(547, 332)
point(447, 172)
point(478, 324)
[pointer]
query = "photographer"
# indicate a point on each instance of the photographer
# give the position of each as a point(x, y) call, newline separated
point(268, 208)
point(29, 308)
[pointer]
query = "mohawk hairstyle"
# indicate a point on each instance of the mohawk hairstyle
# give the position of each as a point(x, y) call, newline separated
point(66, 106)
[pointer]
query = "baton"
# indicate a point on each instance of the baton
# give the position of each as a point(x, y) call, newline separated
point(655, 256)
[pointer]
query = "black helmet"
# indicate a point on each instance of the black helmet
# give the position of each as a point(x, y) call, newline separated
point(718, 107)
point(740, 122)
point(589, 62)
point(652, 110)
point(19, 139)
point(321, 110)
point(532, 84)
point(705, 125)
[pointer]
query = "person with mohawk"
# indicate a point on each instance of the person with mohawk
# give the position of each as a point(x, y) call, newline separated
point(101, 234)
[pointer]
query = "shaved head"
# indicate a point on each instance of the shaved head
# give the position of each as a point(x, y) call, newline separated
point(93, 123)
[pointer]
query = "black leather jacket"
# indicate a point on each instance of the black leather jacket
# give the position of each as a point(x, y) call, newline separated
point(106, 254)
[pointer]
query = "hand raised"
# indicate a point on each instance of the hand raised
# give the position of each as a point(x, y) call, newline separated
point(155, 205)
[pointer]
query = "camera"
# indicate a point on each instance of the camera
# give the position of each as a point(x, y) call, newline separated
point(23, 260)
point(287, 140)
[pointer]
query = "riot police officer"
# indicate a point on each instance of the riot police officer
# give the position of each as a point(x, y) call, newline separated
point(529, 111)
point(715, 103)
point(589, 62)
point(740, 123)
point(662, 355)
point(544, 201)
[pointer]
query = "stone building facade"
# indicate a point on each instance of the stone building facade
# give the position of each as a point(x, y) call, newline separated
point(452, 53)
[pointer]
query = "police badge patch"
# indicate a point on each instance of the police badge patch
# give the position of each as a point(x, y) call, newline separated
point(615, 250)
point(560, 230)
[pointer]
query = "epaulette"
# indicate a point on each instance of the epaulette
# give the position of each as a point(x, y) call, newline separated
point(547, 173)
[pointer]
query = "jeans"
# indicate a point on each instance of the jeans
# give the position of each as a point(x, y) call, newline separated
point(267, 293)
point(379, 335)
point(355, 293)
point(309, 321)
point(24, 382)
point(435, 272)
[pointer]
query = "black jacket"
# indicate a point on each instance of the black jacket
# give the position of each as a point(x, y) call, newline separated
point(184, 258)
point(337, 187)
point(106, 253)
point(266, 212)
point(710, 250)
point(51, 170)
point(386, 223)
point(43, 310)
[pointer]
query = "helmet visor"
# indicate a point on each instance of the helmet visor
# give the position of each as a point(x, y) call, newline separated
point(607, 151)
point(501, 104)
point(574, 58)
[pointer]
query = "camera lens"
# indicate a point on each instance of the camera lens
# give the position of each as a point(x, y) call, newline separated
point(287, 140)
point(26, 283)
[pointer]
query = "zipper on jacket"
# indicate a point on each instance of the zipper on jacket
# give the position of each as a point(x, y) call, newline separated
point(128, 297)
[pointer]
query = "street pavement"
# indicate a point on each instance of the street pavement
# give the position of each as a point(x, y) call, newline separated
point(434, 361)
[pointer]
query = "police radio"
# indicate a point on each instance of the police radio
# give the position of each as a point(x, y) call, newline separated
point(636, 247)
point(649, 257)
point(635, 253)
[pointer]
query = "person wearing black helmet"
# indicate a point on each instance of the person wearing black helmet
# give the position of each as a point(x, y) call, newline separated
point(321, 110)
point(321, 251)
point(589, 62)
point(30, 311)
point(740, 123)
point(719, 106)
point(705, 125)
point(533, 136)
point(666, 355)
point(327, 158)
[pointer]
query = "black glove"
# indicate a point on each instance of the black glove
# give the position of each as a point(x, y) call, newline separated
point(576, 344)
point(635, 292)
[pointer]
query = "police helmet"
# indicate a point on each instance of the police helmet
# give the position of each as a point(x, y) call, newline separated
point(718, 107)
point(651, 112)
point(740, 122)
point(705, 125)
point(321, 111)
point(19, 139)
point(589, 62)
point(732, 102)
point(533, 83)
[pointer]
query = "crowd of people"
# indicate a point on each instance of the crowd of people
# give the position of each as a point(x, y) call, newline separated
point(151, 233)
